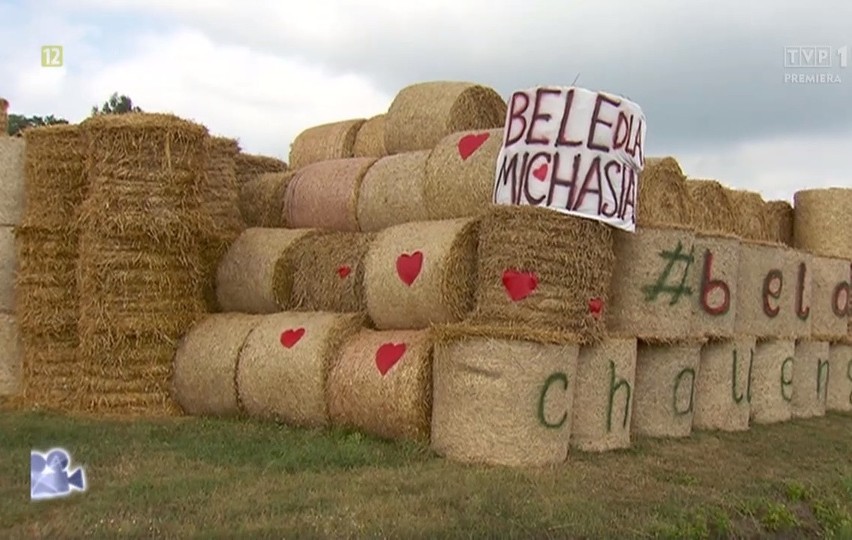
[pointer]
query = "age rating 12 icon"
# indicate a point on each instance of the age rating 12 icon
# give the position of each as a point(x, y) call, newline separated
point(51, 56)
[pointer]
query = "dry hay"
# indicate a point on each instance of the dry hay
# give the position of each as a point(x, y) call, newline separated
point(839, 395)
point(284, 364)
point(381, 384)
point(603, 398)
point(246, 279)
point(714, 284)
point(822, 221)
point(810, 378)
point(772, 373)
point(722, 385)
point(422, 114)
point(10, 356)
point(261, 200)
point(325, 195)
point(205, 364)
point(250, 166)
point(52, 375)
point(325, 142)
point(712, 208)
point(4, 117)
point(212, 251)
point(370, 140)
point(664, 401)
point(831, 280)
point(663, 196)
point(323, 272)
point(645, 302)
point(543, 276)
point(8, 269)
point(218, 191)
point(778, 216)
point(417, 274)
point(391, 192)
point(12, 179)
point(750, 216)
point(460, 174)
point(503, 402)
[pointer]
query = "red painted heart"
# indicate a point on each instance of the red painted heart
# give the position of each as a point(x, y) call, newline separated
point(519, 285)
point(540, 172)
point(289, 338)
point(388, 355)
point(408, 266)
point(344, 271)
point(596, 306)
point(471, 143)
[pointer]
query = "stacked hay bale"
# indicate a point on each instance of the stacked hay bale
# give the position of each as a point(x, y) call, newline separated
point(261, 200)
point(326, 142)
point(4, 117)
point(250, 166)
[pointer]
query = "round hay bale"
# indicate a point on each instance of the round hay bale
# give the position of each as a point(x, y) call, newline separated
point(664, 404)
point(370, 140)
point(381, 384)
point(810, 378)
point(324, 272)
point(721, 388)
point(12, 179)
point(750, 215)
point(460, 174)
point(652, 297)
point(422, 114)
point(778, 216)
point(325, 195)
point(822, 221)
point(603, 398)
point(391, 192)
point(284, 364)
point(246, 279)
point(206, 362)
point(832, 294)
point(503, 402)
point(543, 276)
point(250, 166)
point(417, 274)
point(8, 269)
point(10, 356)
point(218, 192)
point(772, 375)
point(712, 208)
point(839, 395)
point(714, 283)
point(325, 142)
point(261, 200)
point(663, 196)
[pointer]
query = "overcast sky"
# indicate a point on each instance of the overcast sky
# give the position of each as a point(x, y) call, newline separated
point(709, 75)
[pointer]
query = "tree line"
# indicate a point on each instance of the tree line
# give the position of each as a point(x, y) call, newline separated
point(116, 104)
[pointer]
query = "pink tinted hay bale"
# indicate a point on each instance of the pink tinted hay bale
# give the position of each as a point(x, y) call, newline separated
point(503, 402)
point(721, 388)
point(772, 375)
point(839, 397)
point(422, 114)
point(460, 174)
point(10, 356)
point(245, 281)
point(284, 364)
point(778, 216)
point(714, 285)
point(8, 269)
point(810, 378)
point(381, 384)
point(391, 192)
point(325, 142)
point(12, 179)
point(603, 398)
point(206, 361)
point(325, 195)
point(417, 274)
point(832, 279)
point(370, 140)
point(822, 221)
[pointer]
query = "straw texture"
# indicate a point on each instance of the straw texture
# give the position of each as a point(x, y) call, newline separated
point(55, 175)
point(778, 216)
point(749, 209)
point(250, 166)
point(823, 219)
point(10, 356)
point(261, 200)
point(772, 378)
point(714, 282)
point(218, 192)
point(721, 387)
point(712, 208)
point(391, 192)
point(663, 196)
point(810, 378)
point(8, 269)
point(370, 140)
point(12, 193)
point(839, 398)
point(831, 297)
point(325, 142)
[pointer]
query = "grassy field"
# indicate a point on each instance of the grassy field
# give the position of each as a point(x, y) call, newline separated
point(186, 478)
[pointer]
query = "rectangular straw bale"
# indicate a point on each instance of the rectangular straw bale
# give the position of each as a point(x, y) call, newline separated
point(8, 269)
point(664, 199)
point(839, 395)
point(810, 378)
point(10, 356)
point(250, 166)
point(12, 180)
point(722, 399)
point(832, 279)
point(218, 191)
point(52, 374)
point(822, 221)
point(325, 142)
point(392, 192)
point(772, 377)
point(381, 384)
point(370, 140)
point(778, 216)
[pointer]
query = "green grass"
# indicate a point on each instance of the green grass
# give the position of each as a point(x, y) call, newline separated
point(187, 478)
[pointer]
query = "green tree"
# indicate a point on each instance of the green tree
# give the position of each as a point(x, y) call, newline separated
point(19, 122)
point(116, 104)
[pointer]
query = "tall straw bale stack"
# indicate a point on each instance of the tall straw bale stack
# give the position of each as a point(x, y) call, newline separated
point(8, 269)
point(392, 192)
point(832, 298)
point(325, 142)
point(772, 377)
point(749, 210)
point(55, 175)
point(664, 199)
point(12, 179)
point(712, 208)
point(4, 117)
point(714, 285)
point(370, 140)
point(822, 221)
point(261, 200)
point(422, 114)
point(10, 355)
point(778, 216)
point(722, 398)
point(839, 398)
point(250, 166)
point(810, 378)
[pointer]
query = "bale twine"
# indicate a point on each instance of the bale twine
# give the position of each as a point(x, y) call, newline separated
point(261, 200)
point(831, 280)
point(778, 216)
point(839, 395)
point(323, 272)
point(422, 114)
point(663, 196)
point(325, 195)
point(10, 356)
point(603, 398)
point(8, 269)
point(714, 285)
point(722, 385)
point(712, 208)
point(417, 274)
point(391, 192)
point(460, 174)
point(12, 179)
point(822, 221)
point(750, 218)
point(246, 279)
point(284, 364)
point(502, 402)
point(205, 364)
point(810, 378)
point(325, 142)
point(652, 296)
point(542, 275)
point(772, 374)
point(381, 384)
point(250, 166)
point(664, 404)
point(370, 140)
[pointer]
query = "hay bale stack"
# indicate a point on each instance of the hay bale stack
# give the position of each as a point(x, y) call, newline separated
point(250, 166)
point(381, 384)
point(542, 275)
point(261, 200)
point(749, 210)
point(603, 398)
point(391, 192)
point(712, 208)
point(283, 367)
point(663, 196)
point(839, 395)
point(422, 114)
point(325, 195)
point(325, 142)
point(10, 355)
point(12, 179)
point(822, 221)
point(772, 376)
point(417, 274)
point(722, 398)
point(714, 286)
point(502, 402)
point(370, 140)
point(460, 174)
point(778, 216)
point(55, 176)
point(810, 378)
point(832, 285)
